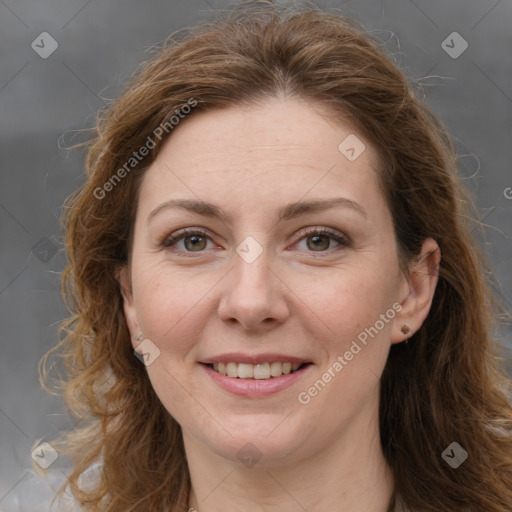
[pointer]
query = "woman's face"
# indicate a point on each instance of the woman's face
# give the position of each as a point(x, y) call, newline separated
point(254, 281)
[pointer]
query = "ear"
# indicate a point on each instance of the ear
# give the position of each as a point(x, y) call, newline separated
point(417, 291)
point(128, 304)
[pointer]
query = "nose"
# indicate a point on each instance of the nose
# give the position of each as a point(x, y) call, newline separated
point(254, 295)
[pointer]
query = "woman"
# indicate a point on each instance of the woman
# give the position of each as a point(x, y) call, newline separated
point(273, 224)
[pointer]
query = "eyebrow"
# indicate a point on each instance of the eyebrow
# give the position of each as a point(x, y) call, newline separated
point(287, 212)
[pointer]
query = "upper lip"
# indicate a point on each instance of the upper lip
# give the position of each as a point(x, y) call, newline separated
point(237, 357)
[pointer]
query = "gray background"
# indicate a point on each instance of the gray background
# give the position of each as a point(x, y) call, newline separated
point(42, 102)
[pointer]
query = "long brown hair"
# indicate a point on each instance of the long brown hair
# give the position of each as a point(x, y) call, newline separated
point(444, 386)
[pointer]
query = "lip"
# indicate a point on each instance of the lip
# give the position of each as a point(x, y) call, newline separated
point(236, 357)
point(254, 388)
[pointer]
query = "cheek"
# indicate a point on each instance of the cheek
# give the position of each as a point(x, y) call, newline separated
point(350, 303)
point(362, 320)
point(346, 301)
point(169, 303)
point(171, 309)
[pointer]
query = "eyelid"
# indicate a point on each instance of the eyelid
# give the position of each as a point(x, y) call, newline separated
point(178, 235)
point(342, 239)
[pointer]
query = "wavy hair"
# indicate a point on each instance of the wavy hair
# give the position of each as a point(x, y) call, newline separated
point(447, 384)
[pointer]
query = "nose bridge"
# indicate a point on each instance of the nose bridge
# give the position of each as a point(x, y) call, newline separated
point(253, 294)
point(253, 269)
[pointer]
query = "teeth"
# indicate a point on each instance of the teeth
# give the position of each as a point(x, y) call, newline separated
point(262, 371)
point(246, 371)
point(276, 369)
point(232, 370)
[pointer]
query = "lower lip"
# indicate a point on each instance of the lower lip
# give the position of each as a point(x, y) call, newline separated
point(255, 387)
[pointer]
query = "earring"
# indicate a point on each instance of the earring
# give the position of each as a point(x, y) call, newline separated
point(139, 336)
point(405, 329)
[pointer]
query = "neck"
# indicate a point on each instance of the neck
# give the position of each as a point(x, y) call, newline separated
point(349, 475)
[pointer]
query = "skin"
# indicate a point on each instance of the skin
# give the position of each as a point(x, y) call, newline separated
point(297, 298)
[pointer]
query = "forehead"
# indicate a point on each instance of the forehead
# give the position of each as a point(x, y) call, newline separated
point(258, 157)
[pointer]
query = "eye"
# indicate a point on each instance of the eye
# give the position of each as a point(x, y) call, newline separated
point(194, 240)
point(319, 239)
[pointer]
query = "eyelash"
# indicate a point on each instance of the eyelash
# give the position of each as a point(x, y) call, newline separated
point(168, 241)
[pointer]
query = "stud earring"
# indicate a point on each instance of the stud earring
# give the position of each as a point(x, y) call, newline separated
point(405, 329)
point(139, 336)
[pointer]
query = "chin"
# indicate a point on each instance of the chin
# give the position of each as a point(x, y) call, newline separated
point(265, 440)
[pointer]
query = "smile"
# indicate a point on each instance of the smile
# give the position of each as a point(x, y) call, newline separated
point(261, 371)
